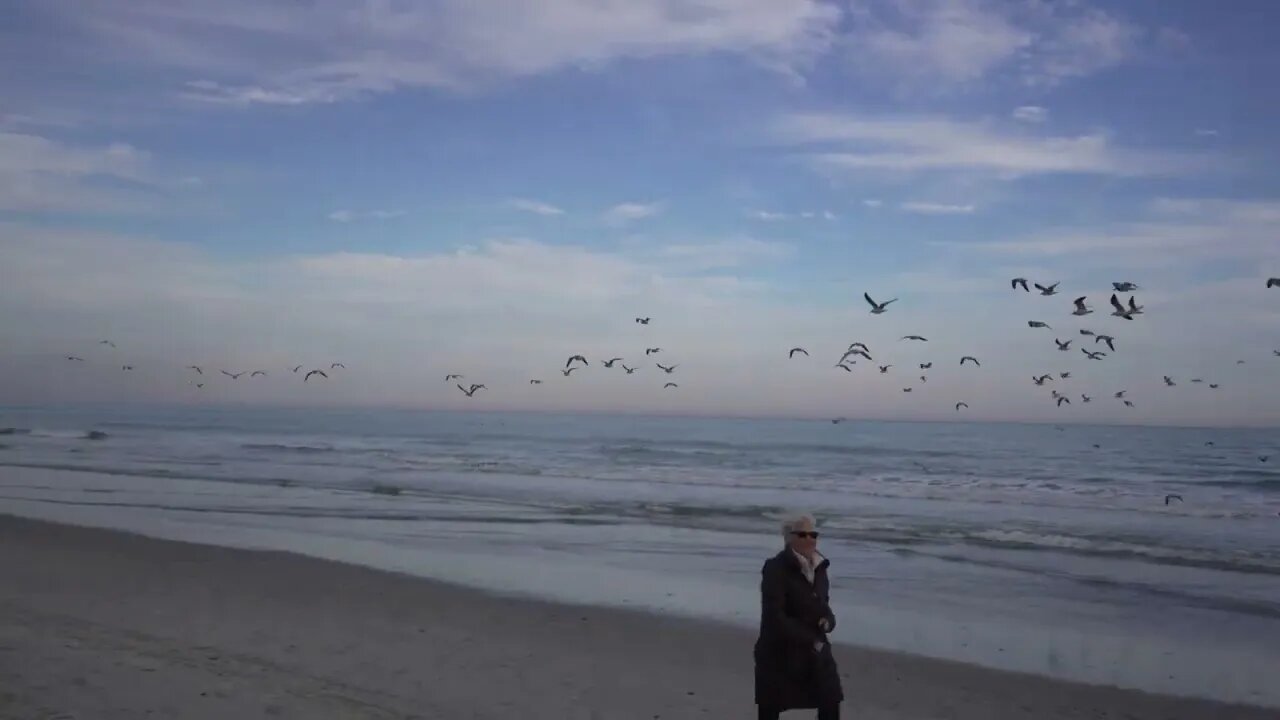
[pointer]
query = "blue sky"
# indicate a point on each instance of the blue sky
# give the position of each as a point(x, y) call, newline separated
point(418, 188)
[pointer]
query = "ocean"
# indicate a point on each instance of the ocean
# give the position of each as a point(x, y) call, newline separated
point(1039, 548)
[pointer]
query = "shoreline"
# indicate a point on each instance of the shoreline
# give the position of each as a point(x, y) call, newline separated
point(100, 619)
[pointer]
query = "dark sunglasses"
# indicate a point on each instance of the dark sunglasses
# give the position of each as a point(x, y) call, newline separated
point(803, 534)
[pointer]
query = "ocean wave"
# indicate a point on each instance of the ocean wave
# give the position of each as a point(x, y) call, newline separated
point(1268, 482)
point(15, 431)
point(158, 473)
point(281, 447)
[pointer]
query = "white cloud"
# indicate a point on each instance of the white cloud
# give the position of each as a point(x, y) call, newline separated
point(536, 207)
point(1172, 231)
point(346, 216)
point(1205, 132)
point(768, 216)
point(731, 253)
point(915, 144)
point(917, 43)
point(828, 215)
point(1030, 114)
point(872, 203)
point(628, 211)
point(252, 52)
point(932, 208)
point(41, 174)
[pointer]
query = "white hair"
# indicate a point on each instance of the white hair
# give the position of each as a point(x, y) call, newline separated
point(795, 521)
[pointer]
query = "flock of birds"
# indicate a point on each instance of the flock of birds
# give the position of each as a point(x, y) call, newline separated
point(199, 370)
point(1119, 309)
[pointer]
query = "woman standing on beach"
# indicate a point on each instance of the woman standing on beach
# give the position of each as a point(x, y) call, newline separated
point(794, 665)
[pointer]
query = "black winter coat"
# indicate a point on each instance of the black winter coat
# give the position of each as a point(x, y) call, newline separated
point(790, 673)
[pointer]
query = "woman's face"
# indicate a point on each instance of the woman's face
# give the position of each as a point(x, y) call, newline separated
point(803, 538)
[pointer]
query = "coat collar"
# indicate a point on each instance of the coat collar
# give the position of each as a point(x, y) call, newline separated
point(788, 557)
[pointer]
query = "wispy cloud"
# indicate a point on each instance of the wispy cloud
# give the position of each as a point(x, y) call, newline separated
point(932, 208)
point(916, 43)
point(917, 144)
point(1030, 114)
point(767, 215)
point(536, 207)
point(42, 174)
point(1172, 230)
point(729, 253)
point(626, 212)
point(872, 202)
point(250, 52)
point(346, 216)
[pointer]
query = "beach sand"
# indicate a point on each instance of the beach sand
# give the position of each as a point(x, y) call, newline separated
point(97, 624)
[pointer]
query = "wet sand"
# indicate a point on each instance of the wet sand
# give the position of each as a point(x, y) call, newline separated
point(98, 624)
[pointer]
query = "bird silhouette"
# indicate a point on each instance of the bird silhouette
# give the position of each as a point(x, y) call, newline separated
point(1047, 290)
point(233, 376)
point(321, 373)
point(643, 320)
point(578, 358)
point(878, 308)
point(970, 358)
point(337, 365)
point(667, 370)
point(795, 350)
point(1019, 282)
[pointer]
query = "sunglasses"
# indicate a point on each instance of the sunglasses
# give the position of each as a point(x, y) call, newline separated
point(803, 534)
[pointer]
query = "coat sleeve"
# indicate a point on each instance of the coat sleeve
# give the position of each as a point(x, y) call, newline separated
point(773, 591)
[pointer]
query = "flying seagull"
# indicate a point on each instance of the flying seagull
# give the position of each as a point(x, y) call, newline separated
point(76, 359)
point(1169, 381)
point(1197, 380)
point(467, 392)
point(1093, 355)
point(1124, 286)
point(1064, 375)
point(337, 365)
point(1086, 332)
point(566, 371)
point(670, 385)
point(837, 421)
point(198, 385)
point(307, 377)
point(1128, 404)
point(1273, 282)
point(196, 368)
point(297, 368)
point(628, 369)
point(233, 376)
point(926, 366)
point(1081, 308)
point(609, 363)
point(1120, 395)
point(847, 353)
point(971, 358)
point(877, 308)
point(1019, 282)
point(795, 350)
point(1047, 290)
point(844, 367)
point(667, 370)
point(643, 320)
point(576, 357)
point(1063, 399)
point(1208, 443)
point(1134, 307)
point(1085, 398)
point(1263, 458)
point(126, 367)
point(1041, 380)
point(1169, 498)
point(884, 369)
point(915, 337)
point(256, 373)
point(961, 405)
point(1037, 324)
point(448, 378)
point(1213, 386)
point(650, 351)
point(906, 389)
point(1063, 346)
point(535, 382)
point(1110, 341)
point(864, 347)
point(106, 342)
point(1239, 362)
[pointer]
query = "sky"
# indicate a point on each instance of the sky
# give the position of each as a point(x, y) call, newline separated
point(483, 187)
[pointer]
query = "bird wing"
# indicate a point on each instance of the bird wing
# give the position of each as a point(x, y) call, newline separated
point(1115, 303)
point(869, 300)
point(1133, 303)
point(1040, 287)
